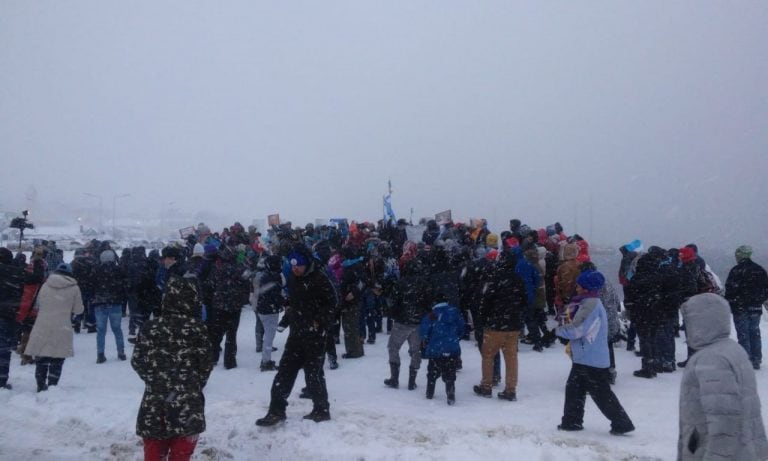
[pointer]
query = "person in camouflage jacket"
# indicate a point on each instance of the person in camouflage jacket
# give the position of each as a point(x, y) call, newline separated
point(172, 357)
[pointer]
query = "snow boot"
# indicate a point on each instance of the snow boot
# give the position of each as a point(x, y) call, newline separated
point(318, 416)
point(412, 378)
point(268, 366)
point(430, 389)
point(450, 390)
point(333, 362)
point(100, 358)
point(482, 392)
point(121, 356)
point(270, 420)
point(504, 395)
point(393, 381)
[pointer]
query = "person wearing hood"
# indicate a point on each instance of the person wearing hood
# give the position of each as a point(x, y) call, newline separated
point(440, 331)
point(310, 315)
point(586, 327)
point(51, 339)
point(720, 416)
point(172, 357)
point(746, 289)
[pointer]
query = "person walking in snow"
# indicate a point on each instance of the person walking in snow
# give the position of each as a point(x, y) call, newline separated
point(312, 305)
point(51, 339)
point(173, 357)
point(586, 327)
point(11, 287)
point(440, 332)
point(746, 289)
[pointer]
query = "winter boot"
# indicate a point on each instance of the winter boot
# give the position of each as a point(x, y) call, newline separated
point(393, 381)
point(430, 389)
point(121, 356)
point(482, 392)
point(76, 328)
point(318, 416)
point(100, 358)
point(41, 387)
point(333, 362)
point(268, 366)
point(270, 420)
point(450, 390)
point(647, 370)
point(504, 395)
point(412, 378)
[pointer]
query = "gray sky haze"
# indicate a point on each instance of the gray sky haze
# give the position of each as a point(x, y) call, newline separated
point(651, 114)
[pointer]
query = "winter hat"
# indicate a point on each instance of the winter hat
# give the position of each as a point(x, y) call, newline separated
point(687, 255)
point(107, 256)
point(634, 245)
point(492, 240)
point(65, 268)
point(297, 259)
point(171, 252)
point(743, 252)
point(210, 249)
point(198, 250)
point(591, 280)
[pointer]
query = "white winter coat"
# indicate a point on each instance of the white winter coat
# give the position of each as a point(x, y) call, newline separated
point(52, 335)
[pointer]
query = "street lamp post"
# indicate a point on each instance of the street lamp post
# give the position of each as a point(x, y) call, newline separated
point(101, 208)
point(114, 210)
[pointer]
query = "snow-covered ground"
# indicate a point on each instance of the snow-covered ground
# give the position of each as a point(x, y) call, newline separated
point(92, 413)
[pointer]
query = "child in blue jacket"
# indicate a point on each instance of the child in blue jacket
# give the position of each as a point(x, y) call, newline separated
point(440, 331)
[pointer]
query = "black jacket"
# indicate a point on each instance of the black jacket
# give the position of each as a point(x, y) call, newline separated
point(270, 300)
point(11, 287)
point(413, 295)
point(504, 299)
point(312, 302)
point(109, 284)
point(229, 291)
point(746, 288)
point(644, 294)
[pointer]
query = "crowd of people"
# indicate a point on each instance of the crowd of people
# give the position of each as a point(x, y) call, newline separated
point(349, 284)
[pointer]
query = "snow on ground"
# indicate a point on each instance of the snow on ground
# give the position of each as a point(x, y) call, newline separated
point(92, 413)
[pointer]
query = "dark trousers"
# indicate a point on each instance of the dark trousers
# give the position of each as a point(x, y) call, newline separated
point(648, 351)
point(330, 345)
point(220, 324)
point(585, 380)
point(631, 335)
point(537, 324)
point(7, 344)
point(370, 322)
point(443, 367)
point(48, 369)
point(350, 321)
point(665, 342)
point(302, 350)
point(140, 313)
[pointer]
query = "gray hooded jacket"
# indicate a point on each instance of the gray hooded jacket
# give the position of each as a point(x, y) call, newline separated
point(719, 407)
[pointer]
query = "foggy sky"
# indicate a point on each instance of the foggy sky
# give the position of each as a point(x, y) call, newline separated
point(652, 115)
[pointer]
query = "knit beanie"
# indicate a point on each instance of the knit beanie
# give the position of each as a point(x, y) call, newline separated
point(591, 280)
point(743, 252)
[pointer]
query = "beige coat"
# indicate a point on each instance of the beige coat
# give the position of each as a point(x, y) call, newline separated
point(52, 335)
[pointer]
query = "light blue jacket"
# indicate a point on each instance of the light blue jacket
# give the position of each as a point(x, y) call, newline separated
point(588, 333)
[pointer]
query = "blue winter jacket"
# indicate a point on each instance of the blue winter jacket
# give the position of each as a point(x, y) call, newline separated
point(440, 331)
point(588, 333)
point(528, 273)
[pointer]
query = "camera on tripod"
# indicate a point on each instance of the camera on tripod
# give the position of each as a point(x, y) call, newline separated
point(22, 222)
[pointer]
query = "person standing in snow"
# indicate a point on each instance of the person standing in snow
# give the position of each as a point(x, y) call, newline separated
point(267, 299)
point(51, 339)
point(109, 296)
point(310, 315)
point(11, 287)
point(173, 357)
point(720, 415)
point(440, 332)
point(746, 289)
point(586, 328)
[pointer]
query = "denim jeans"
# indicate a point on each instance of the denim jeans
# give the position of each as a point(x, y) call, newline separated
point(748, 334)
point(270, 328)
point(113, 313)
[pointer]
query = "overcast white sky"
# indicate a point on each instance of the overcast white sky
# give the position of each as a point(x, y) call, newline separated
point(656, 110)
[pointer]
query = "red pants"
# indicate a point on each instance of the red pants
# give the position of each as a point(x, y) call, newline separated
point(178, 449)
